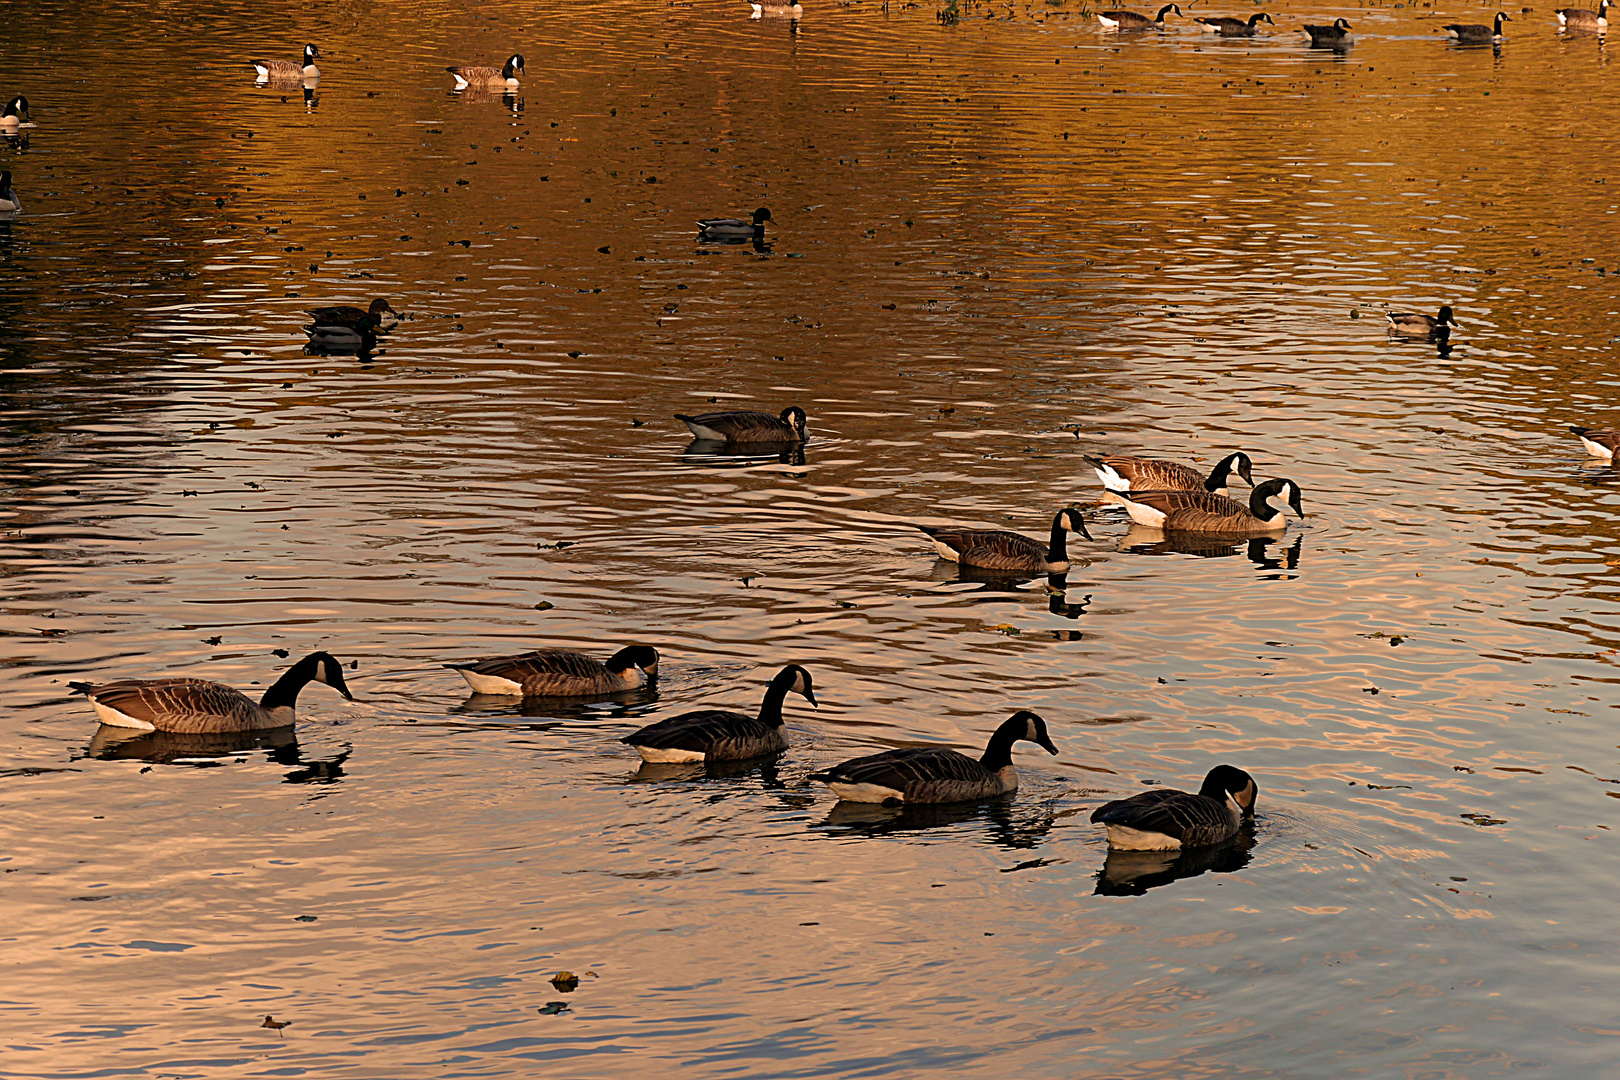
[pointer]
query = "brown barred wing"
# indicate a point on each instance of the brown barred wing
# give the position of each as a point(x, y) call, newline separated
point(1151, 474)
point(920, 774)
point(1195, 820)
point(718, 734)
point(550, 672)
point(182, 705)
point(991, 549)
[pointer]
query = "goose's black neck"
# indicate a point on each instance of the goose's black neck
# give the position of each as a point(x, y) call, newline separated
point(998, 752)
point(770, 710)
point(1057, 549)
point(285, 690)
point(1260, 499)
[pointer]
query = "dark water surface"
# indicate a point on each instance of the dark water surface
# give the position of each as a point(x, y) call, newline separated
point(996, 247)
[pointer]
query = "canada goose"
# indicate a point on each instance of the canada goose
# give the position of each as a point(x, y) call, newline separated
point(747, 426)
point(1411, 324)
point(506, 75)
point(1592, 22)
point(15, 114)
point(561, 672)
point(1337, 34)
point(1599, 442)
point(1121, 473)
point(341, 339)
point(286, 69)
point(722, 735)
point(1227, 26)
point(1201, 512)
point(10, 201)
point(777, 9)
point(995, 549)
point(352, 317)
point(1130, 20)
point(1475, 34)
point(196, 706)
point(730, 228)
point(937, 774)
point(1163, 819)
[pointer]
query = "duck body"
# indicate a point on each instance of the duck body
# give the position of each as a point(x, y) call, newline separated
point(505, 75)
point(281, 70)
point(1598, 442)
point(1584, 19)
point(353, 317)
point(997, 549)
point(937, 774)
point(1165, 819)
point(723, 735)
point(1475, 34)
point(10, 201)
point(1202, 512)
point(1124, 473)
point(15, 114)
point(748, 426)
point(1413, 324)
point(730, 228)
point(1337, 34)
point(1130, 20)
point(1227, 26)
point(561, 672)
point(196, 706)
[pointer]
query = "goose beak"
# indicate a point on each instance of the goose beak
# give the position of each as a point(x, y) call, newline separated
point(1046, 744)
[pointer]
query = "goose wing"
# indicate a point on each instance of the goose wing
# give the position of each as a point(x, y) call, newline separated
point(1190, 818)
point(1195, 511)
point(1600, 441)
point(178, 704)
point(546, 671)
point(739, 425)
point(717, 733)
point(992, 549)
point(1145, 474)
point(279, 68)
point(476, 74)
point(1225, 24)
point(907, 770)
point(1126, 18)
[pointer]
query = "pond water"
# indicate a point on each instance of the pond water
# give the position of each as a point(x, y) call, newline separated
point(996, 246)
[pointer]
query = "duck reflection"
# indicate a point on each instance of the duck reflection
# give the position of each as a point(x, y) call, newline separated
point(1006, 823)
point(1266, 552)
point(1133, 873)
point(206, 750)
point(726, 455)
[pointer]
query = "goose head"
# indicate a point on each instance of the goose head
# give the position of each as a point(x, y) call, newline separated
point(311, 54)
point(17, 107)
point(1070, 520)
point(1239, 461)
point(513, 65)
point(1502, 16)
point(795, 678)
point(1255, 20)
point(1227, 782)
point(1167, 7)
point(795, 418)
point(1025, 726)
point(644, 657)
point(328, 671)
point(1260, 499)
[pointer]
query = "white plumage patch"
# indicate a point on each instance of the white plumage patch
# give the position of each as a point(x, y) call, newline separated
point(945, 550)
point(1107, 21)
point(1111, 479)
point(115, 718)
point(668, 754)
point(1126, 838)
point(1143, 514)
point(460, 82)
point(264, 72)
point(703, 431)
point(490, 684)
point(865, 793)
point(1597, 450)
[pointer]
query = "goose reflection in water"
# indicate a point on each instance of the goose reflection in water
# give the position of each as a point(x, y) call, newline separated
point(207, 750)
point(659, 772)
point(713, 454)
point(487, 94)
point(1006, 823)
point(1133, 873)
point(1265, 552)
point(621, 705)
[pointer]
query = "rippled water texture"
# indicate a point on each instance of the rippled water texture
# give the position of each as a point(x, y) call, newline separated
point(997, 246)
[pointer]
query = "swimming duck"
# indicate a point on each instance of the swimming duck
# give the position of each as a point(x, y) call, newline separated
point(730, 228)
point(10, 201)
point(1227, 26)
point(1130, 20)
point(1475, 34)
point(352, 317)
point(15, 114)
point(561, 672)
point(1163, 819)
point(1411, 324)
point(722, 735)
point(1592, 22)
point(777, 9)
point(1598, 442)
point(1122, 473)
point(286, 69)
point(747, 426)
point(996, 549)
point(506, 75)
point(1201, 512)
point(196, 706)
point(937, 774)
point(1337, 34)
point(342, 339)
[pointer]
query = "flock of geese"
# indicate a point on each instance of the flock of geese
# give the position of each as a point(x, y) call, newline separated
point(1338, 34)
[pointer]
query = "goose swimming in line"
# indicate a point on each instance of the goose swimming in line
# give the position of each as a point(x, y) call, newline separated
point(937, 774)
point(1475, 34)
point(287, 69)
point(1598, 442)
point(1337, 34)
point(1412, 324)
point(505, 75)
point(1163, 819)
point(1201, 512)
point(1130, 20)
point(722, 735)
point(561, 672)
point(1122, 473)
point(1592, 22)
point(748, 426)
point(1227, 26)
point(730, 228)
point(196, 706)
point(15, 114)
point(997, 549)
point(353, 317)
point(10, 201)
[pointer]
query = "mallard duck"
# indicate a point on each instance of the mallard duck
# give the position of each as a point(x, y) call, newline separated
point(1592, 22)
point(1130, 20)
point(15, 114)
point(1202, 512)
point(506, 75)
point(1227, 26)
point(995, 549)
point(1598, 442)
point(1475, 34)
point(722, 735)
point(286, 69)
point(747, 426)
point(937, 774)
point(10, 201)
point(730, 228)
point(1162, 819)
point(1122, 473)
point(352, 317)
point(1337, 34)
point(777, 9)
point(561, 672)
point(1411, 324)
point(341, 339)
point(196, 706)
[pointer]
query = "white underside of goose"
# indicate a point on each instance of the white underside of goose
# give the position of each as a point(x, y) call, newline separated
point(1143, 514)
point(114, 718)
point(667, 754)
point(1126, 838)
point(1597, 450)
point(949, 554)
point(491, 684)
point(867, 793)
point(1111, 23)
point(703, 431)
